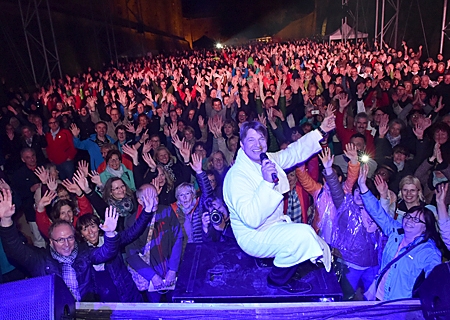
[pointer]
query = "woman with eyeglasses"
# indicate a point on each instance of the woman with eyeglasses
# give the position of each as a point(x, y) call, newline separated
point(414, 242)
point(116, 169)
point(115, 193)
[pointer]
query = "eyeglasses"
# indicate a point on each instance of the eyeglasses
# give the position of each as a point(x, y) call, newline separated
point(415, 219)
point(62, 240)
point(52, 122)
point(118, 188)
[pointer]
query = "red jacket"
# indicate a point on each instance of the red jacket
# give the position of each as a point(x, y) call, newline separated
point(344, 134)
point(62, 148)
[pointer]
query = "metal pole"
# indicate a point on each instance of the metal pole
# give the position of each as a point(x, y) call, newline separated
point(28, 43)
point(444, 18)
point(44, 49)
point(54, 41)
point(377, 3)
point(356, 27)
point(397, 13)
point(382, 23)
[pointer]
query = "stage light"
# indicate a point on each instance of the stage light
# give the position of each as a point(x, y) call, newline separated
point(219, 45)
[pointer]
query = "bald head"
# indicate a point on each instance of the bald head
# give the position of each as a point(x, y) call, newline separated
point(147, 196)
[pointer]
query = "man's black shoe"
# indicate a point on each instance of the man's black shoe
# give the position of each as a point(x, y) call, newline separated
point(293, 286)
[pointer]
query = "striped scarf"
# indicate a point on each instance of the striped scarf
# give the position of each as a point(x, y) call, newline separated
point(294, 209)
point(68, 272)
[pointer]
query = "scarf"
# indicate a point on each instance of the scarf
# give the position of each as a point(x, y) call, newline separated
point(168, 168)
point(68, 272)
point(294, 209)
point(115, 173)
point(124, 206)
point(393, 140)
point(101, 241)
point(400, 166)
point(101, 143)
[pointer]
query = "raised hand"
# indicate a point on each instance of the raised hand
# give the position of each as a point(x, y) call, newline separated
point(95, 178)
point(83, 167)
point(72, 187)
point(110, 223)
point(4, 185)
point(329, 111)
point(130, 128)
point(344, 101)
point(363, 171)
point(52, 184)
point(201, 122)
point(147, 146)
point(132, 152)
point(326, 158)
point(75, 130)
point(149, 199)
point(149, 160)
point(46, 200)
point(173, 129)
point(351, 153)
point(177, 142)
point(81, 180)
point(196, 163)
point(262, 119)
point(441, 192)
point(185, 151)
point(144, 136)
point(157, 186)
point(382, 186)
point(328, 123)
point(42, 174)
point(7, 208)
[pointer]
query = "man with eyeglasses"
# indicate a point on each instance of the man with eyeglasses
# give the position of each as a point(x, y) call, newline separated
point(60, 149)
point(72, 261)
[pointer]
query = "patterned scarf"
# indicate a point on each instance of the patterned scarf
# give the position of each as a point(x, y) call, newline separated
point(393, 140)
point(168, 168)
point(68, 272)
point(294, 209)
point(124, 206)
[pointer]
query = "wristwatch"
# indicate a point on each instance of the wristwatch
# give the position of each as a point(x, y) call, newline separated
point(323, 133)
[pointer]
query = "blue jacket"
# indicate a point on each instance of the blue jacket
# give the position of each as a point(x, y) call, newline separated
point(92, 147)
point(402, 274)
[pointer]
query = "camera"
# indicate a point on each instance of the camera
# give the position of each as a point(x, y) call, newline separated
point(315, 112)
point(216, 217)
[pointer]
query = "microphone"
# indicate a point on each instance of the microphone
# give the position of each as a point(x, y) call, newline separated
point(263, 156)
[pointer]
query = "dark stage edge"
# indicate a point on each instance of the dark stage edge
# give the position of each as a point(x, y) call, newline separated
point(405, 310)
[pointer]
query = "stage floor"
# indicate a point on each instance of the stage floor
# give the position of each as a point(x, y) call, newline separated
point(404, 310)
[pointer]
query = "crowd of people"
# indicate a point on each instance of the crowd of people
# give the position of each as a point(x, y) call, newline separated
point(117, 170)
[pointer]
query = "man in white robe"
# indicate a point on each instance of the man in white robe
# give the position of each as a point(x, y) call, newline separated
point(255, 203)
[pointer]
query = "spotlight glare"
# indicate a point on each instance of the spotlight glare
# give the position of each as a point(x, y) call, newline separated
point(219, 45)
point(364, 158)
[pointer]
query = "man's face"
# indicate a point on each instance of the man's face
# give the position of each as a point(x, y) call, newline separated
point(217, 105)
point(62, 240)
point(115, 115)
point(29, 158)
point(143, 121)
point(100, 129)
point(270, 103)
point(217, 161)
point(27, 133)
point(53, 124)
point(447, 79)
point(361, 125)
point(254, 144)
point(359, 144)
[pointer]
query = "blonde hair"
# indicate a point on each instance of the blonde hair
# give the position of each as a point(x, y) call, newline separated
point(411, 180)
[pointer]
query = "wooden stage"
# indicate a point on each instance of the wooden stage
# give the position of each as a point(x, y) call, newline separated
point(401, 310)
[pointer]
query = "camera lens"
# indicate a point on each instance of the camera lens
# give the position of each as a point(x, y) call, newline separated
point(216, 217)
